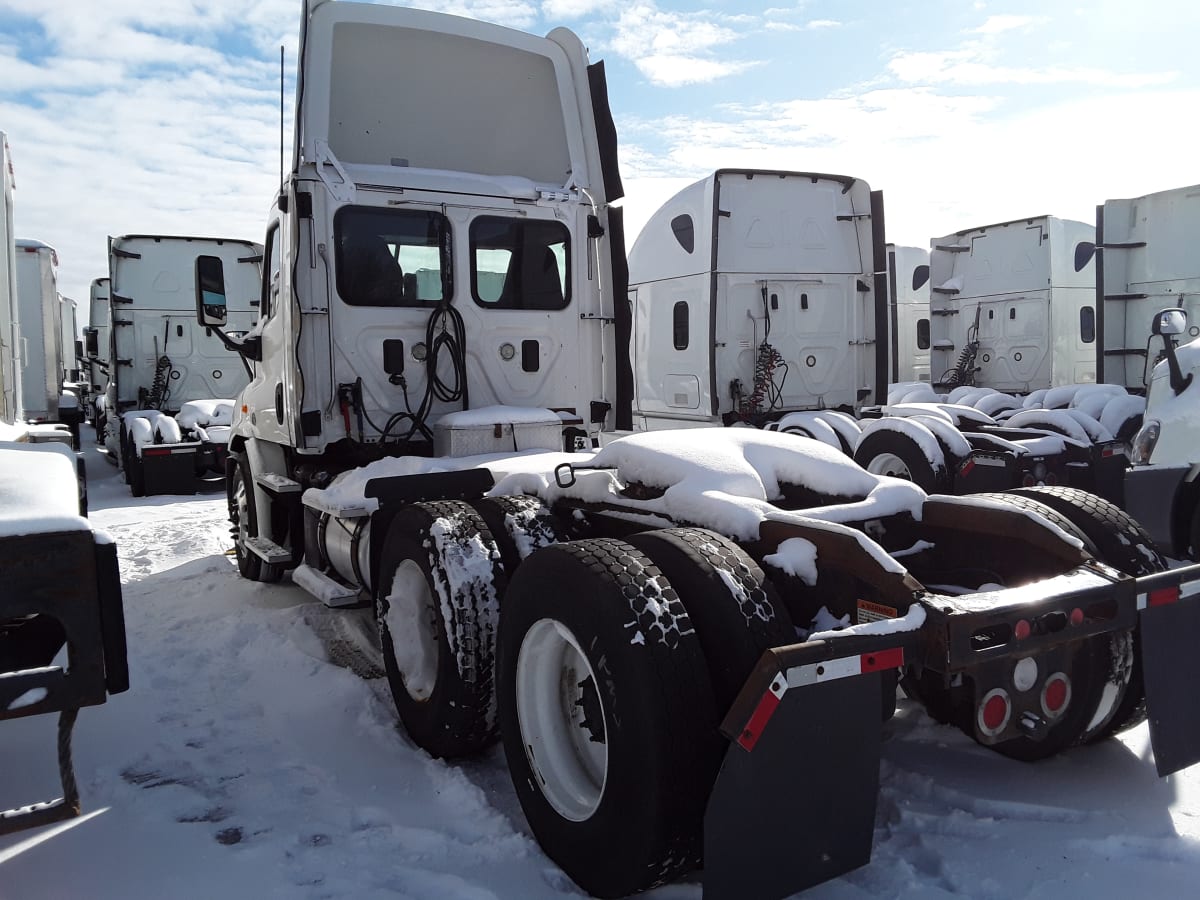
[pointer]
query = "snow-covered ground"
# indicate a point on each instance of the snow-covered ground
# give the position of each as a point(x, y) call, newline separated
point(257, 756)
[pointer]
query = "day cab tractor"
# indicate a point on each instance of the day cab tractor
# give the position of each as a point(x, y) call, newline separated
point(657, 625)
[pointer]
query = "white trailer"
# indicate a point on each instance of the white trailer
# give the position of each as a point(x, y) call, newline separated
point(755, 295)
point(10, 357)
point(62, 632)
point(908, 302)
point(1146, 259)
point(430, 297)
point(1009, 307)
point(96, 350)
point(162, 362)
point(39, 328)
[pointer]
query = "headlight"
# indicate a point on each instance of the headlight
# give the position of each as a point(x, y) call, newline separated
point(1144, 441)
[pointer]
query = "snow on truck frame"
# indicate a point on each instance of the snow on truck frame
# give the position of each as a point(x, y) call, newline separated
point(169, 400)
point(625, 619)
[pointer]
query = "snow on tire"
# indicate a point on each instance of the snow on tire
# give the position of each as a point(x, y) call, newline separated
point(520, 524)
point(607, 715)
point(904, 449)
point(1124, 544)
point(733, 606)
point(437, 606)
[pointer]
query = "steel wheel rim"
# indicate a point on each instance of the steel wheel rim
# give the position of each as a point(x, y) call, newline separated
point(242, 505)
point(889, 464)
point(570, 767)
point(411, 631)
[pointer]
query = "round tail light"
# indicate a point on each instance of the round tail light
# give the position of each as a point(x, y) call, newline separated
point(1056, 695)
point(994, 711)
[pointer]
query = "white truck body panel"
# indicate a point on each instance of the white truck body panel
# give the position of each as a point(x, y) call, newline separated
point(1036, 314)
point(39, 329)
point(152, 292)
point(99, 318)
point(69, 320)
point(10, 359)
point(908, 286)
point(406, 164)
point(723, 255)
point(1150, 261)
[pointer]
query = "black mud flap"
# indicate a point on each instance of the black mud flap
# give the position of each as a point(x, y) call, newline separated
point(1170, 636)
point(169, 468)
point(794, 803)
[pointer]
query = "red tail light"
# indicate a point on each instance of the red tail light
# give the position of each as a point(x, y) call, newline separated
point(1028, 481)
point(994, 711)
point(1076, 617)
point(1056, 695)
point(1021, 629)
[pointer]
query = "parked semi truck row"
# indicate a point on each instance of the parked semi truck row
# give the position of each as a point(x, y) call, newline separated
point(626, 620)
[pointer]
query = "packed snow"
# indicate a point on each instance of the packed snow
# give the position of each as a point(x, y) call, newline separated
point(249, 760)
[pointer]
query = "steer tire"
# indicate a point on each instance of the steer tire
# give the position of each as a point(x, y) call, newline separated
point(437, 602)
point(242, 506)
point(520, 524)
point(931, 476)
point(1125, 545)
point(607, 715)
point(735, 610)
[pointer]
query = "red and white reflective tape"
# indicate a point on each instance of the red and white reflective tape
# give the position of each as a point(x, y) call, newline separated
point(1168, 595)
point(814, 673)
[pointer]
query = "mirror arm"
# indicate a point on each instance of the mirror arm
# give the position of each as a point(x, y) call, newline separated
point(1179, 383)
point(249, 347)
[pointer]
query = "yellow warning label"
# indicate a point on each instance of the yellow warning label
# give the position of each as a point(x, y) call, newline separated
point(874, 612)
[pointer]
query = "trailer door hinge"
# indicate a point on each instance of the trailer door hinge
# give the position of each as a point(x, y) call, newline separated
point(861, 343)
point(607, 320)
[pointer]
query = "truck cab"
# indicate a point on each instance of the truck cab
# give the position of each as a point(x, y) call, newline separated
point(1009, 307)
point(412, 269)
point(754, 295)
point(1162, 489)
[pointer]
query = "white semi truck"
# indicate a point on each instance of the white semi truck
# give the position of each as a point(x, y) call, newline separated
point(62, 632)
point(1145, 260)
point(168, 403)
point(1009, 307)
point(39, 328)
point(1163, 486)
point(908, 302)
point(10, 357)
point(624, 620)
point(757, 294)
point(96, 346)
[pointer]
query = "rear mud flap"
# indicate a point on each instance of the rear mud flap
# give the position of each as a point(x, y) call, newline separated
point(1170, 636)
point(794, 803)
point(169, 469)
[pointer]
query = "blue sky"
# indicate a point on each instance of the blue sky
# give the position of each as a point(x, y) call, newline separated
point(127, 116)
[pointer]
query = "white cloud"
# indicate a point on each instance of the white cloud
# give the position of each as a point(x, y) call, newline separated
point(575, 9)
point(673, 49)
point(999, 24)
point(970, 66)
point(817, 24)
point(943, 162)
